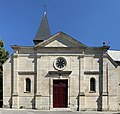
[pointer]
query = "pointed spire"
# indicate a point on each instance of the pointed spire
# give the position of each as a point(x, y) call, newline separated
point(43, 31)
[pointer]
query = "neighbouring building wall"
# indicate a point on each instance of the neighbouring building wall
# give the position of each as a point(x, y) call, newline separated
point(118, 98)
point(110, 82)
point(7, 83)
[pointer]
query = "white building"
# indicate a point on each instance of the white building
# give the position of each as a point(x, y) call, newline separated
point(60, 72)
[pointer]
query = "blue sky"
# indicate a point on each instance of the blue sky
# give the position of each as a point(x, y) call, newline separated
point(92, 22)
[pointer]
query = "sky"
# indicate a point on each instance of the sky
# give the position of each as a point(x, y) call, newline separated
point(91, 22)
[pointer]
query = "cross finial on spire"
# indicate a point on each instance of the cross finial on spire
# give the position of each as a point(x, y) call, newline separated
point(44, 8)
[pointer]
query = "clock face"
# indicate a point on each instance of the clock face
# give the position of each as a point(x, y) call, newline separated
point(60, 63)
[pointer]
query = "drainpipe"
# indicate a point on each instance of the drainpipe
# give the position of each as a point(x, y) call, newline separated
point(107, 86)
point(11, 99)
point(35, 80)
point(79, 86)
point(49, 93)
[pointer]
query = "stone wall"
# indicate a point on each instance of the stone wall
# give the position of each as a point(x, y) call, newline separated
point(82, 67)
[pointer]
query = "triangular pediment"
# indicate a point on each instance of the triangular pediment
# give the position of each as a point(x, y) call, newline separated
point(60, 39)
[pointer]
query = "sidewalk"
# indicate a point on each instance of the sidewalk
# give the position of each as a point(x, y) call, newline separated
point(31, 111)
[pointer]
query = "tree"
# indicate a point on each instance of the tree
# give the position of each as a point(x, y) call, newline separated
point(3, 57)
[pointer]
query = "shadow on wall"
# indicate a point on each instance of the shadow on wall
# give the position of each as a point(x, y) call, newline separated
point(1, 103)
point(10, 102)
point(1, 97)
point(33, 103)
point(99, 103)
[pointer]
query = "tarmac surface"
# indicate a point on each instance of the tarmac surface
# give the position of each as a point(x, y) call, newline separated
point(27, 111)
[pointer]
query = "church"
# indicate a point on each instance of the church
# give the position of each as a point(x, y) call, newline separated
point(61, 73)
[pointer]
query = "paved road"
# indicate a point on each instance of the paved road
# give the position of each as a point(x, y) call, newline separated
point(8, 111)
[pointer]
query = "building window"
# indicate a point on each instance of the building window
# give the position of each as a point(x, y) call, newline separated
point(92, 85)
point(28, 85)
point(60, 63)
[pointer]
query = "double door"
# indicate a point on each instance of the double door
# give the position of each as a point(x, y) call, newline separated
point(60, 93)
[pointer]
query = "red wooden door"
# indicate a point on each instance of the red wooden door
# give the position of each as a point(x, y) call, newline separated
point(60, 91)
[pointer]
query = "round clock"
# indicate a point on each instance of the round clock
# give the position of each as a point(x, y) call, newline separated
point(60, 63)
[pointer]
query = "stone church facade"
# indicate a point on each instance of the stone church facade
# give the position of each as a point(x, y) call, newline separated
point(59, 72)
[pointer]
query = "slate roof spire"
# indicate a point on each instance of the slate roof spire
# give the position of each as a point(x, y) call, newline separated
point(43, 31)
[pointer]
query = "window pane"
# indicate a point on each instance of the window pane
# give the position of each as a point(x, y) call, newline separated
point(28, 84)
point(92, 84)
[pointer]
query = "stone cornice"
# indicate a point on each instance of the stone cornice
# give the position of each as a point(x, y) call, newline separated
point(26, 72)
point(16, 47)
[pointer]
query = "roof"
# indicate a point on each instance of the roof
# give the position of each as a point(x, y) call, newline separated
point(114, 54)
point(43, 31)
point(61, 35)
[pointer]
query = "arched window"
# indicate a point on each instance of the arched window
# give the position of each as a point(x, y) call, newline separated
point(28, 85)
point(92, 84)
